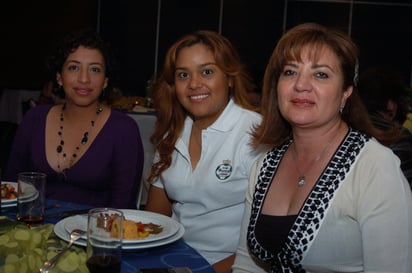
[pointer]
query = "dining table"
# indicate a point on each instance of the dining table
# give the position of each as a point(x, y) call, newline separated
point(174, 254)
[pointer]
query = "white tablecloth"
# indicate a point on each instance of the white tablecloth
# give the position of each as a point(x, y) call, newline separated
point(146, 123)
point(11, 108)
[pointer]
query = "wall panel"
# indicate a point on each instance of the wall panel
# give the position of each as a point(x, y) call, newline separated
point(381, 28)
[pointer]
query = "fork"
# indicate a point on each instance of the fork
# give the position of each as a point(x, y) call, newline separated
point(74, 235)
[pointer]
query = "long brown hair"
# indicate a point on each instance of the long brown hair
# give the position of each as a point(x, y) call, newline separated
point(274, 129)
point(171, 114)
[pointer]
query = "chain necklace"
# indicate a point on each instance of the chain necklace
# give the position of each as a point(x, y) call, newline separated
point(83, 141)
point(302, 178)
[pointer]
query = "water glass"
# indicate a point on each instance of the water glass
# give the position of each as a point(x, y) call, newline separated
point(104, 240)
point(31, 197)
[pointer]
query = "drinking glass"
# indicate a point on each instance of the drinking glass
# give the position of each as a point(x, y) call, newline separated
point(104, 240)
point(31, 197)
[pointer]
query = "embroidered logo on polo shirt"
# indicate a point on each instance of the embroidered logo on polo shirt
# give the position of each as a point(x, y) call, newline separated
point(224, 170)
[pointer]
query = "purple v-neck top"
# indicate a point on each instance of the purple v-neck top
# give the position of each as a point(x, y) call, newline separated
point(108, 174)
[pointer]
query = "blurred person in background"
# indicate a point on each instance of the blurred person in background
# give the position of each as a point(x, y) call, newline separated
point(388, 103)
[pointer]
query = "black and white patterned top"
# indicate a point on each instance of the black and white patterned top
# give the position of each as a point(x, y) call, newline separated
point(313, 211)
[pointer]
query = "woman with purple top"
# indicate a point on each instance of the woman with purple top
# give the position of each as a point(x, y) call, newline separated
point(91, 154)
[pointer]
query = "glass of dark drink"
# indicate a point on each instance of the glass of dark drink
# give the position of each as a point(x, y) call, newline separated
point(104, 240)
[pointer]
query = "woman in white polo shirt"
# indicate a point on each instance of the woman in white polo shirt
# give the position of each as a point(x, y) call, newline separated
point(203, 157)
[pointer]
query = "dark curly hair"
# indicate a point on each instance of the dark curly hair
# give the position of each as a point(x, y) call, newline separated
point(68, 44)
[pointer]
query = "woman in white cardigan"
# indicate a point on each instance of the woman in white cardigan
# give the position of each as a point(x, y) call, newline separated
point(327, 196)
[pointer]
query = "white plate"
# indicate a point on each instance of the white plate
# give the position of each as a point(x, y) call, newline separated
point(29, 192)
point(75, 222)
point(60, 231)
point(13, 200)
point(170, 226)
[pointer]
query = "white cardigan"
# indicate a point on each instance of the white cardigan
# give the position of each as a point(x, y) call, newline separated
point(367, 227)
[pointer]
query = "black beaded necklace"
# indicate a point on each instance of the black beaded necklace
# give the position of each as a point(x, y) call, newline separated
point(83, 141)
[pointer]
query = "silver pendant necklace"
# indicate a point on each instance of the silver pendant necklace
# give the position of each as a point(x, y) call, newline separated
point(302, 178)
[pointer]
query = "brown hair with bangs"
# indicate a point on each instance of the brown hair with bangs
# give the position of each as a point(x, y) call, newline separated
point(171, 114)
point(274, 129)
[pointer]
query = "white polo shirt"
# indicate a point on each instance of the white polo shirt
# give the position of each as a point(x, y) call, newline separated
point(209, 200)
